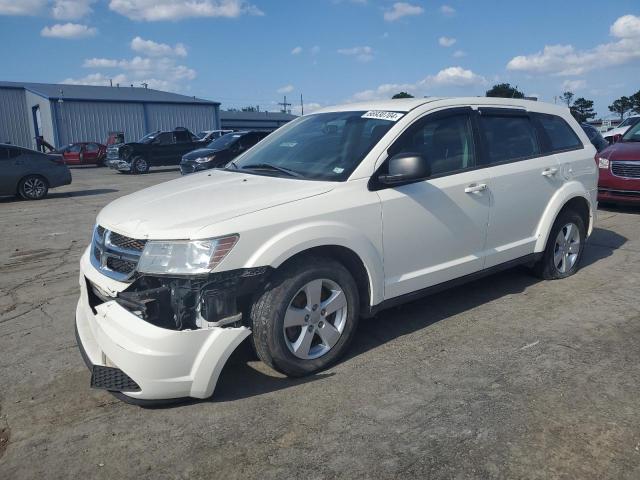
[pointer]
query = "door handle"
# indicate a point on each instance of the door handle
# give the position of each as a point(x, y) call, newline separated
point(549, 172)
point(475, 187)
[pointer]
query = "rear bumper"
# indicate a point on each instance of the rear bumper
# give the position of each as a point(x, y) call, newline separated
point(164, 364)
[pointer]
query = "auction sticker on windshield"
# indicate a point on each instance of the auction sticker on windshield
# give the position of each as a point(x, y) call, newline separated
point(383, 115)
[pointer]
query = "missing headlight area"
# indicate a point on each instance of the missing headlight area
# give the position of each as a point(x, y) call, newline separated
point(187, 303)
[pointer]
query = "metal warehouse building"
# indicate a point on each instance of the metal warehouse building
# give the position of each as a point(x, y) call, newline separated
point(64, 114)
point(266, 121)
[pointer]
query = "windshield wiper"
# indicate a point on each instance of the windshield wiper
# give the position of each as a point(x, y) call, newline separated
point(269, 166)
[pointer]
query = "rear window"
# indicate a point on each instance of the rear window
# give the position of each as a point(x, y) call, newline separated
point(508, 137)
point(560, 135)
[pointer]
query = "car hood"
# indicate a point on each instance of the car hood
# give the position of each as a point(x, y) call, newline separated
point(615, 131)
point(180, 208)
point(201, 152)
point(622, 151)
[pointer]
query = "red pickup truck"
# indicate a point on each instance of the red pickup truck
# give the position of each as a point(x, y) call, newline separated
point(84, 153)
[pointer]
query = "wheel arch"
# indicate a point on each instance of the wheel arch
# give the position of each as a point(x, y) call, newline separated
point(571, 196)
point(352, 248)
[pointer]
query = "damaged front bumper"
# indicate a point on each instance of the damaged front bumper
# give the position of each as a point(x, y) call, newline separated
point(121, 165)
point(139, 359)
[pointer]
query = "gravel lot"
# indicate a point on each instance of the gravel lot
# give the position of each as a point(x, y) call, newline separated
point(506, 377)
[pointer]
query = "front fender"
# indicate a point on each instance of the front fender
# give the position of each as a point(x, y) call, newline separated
point(296, 239)
point(568, 191)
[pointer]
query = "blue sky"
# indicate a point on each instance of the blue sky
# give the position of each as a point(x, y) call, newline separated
point(332, 51)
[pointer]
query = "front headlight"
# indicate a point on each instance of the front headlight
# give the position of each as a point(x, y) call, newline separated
point(603, 162)
point(184, 257)
point(204, 159)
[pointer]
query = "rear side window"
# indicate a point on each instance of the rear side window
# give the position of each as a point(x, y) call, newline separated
point(92, 147)
point(560, 135)
point(508, 137)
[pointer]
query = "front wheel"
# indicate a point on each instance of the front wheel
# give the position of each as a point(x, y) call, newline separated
point(33, 187)
point(564, 249)
point(306, 317)
point(139, 165)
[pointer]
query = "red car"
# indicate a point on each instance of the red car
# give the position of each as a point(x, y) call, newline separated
point(619, 166)
point(84, 153)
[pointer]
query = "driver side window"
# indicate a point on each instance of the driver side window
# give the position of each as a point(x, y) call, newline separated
point(446, 142)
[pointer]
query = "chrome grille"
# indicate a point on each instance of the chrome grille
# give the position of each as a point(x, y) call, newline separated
point(126, 242)
point(626, 169)
point(115, 255)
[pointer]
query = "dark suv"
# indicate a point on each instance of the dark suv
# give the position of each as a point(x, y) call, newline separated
point(154, 149)
point(220, 152)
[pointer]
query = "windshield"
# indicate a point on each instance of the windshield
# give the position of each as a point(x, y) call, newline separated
point(633, 134)
point(627, 122)
point(224, 141)
point(148, 138)
point(324, 146)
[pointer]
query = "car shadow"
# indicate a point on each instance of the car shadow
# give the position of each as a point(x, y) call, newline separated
point(619, 208)
point(239, 379)
point(81, 193)
point(601, 244)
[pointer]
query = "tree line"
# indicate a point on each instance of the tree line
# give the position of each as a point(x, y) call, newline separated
point(581, 108)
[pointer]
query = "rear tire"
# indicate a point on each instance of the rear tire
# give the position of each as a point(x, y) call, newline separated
point(139, 165)
point(564, 249)
point(33, 187)
point(318, 299)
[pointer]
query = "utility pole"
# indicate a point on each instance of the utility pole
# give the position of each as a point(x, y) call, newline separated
point(301, 105)
point(284, 105)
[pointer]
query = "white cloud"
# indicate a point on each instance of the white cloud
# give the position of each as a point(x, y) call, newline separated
point(626, 26)
point(99, 79)
point(447, 10)
point(296, 51)
point(286, 89)
point(154, 49)
point(68, 31)
point(448, 77)
point(315, 50)
point(459, 54)
point(308, 108)
point(100, 63)
point(71, 9)
point(446, 41)
point(567, 60)
point(362, 54)
point(402, 9)
point(21, 7)
point(573, 85)
point(159, 10)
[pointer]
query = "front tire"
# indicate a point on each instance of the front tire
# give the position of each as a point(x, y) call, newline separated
point(564, 249)
point(33, 187)
point(306, 318)
point(139, 165)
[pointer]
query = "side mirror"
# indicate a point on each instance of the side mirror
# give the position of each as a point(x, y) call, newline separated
point(406, 168)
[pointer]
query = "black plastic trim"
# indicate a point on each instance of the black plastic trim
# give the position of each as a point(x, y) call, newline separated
point(409, 297)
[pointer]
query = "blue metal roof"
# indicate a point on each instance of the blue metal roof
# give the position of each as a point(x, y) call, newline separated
point(54, 91)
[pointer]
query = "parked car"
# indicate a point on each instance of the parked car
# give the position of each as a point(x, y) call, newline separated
point(207, 136)
point(595, 137)
point(30, 174)
point(154, 149)
point(84, 153)
point(616, 134)
point(220, 151)
point(338, 214)
point(619, 166)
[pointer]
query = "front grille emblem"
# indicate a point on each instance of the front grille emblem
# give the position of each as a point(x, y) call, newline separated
point(112, 254)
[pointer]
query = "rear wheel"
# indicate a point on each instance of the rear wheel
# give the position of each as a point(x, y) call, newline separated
point(139, 165)
point(33, 187)
point(307, 316)
point(565, 245)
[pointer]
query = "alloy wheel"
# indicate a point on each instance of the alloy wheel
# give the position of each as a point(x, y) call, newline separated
point(34, 187)
point(315, 319)
point(566, 248)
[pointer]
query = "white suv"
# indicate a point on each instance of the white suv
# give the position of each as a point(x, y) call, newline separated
point(333, 217)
